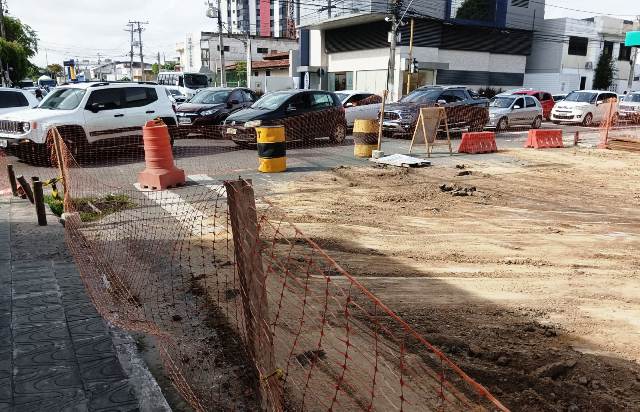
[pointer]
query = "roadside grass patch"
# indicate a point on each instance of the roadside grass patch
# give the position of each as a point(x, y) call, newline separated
point(92, 209)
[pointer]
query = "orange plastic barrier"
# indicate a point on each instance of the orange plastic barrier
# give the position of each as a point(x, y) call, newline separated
point(478, 142)
point(161, 172)
point(544, 138)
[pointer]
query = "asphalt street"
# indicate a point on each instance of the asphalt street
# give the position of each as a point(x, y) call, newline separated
point(220, 160)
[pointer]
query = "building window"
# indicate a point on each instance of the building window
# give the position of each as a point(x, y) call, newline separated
point(226, 48)
point(608, 48)
point(255, 73)
point(263, 50)
point(625, 53)
point(578, 46)
point(520, 3)
point(268, 73)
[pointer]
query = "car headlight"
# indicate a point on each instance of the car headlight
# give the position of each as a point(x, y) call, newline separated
point(253, 123)
point(26, 127)
point(208, 112)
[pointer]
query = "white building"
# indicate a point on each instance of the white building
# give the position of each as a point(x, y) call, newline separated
point(201, 52)
point(565, 54)
point(117, 70)
point(348, 47)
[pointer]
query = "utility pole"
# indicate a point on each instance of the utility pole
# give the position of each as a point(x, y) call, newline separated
point(131, 29)
point(410, 58)
point(223, 77)
point(139, 29)
point(3, 35)
point(248, 68)
point(99, 68)
point(634, 61)
point(394, 8)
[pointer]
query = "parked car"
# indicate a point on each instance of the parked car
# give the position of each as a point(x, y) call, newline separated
point(515, 110)
point(630, 108)
point(354, 109)
point(545, 99)
point(465, 111)
point(12, 100)
point(212, 105)
point(88, 115)
point(306, 115)
point(177, 94)
point(559, 97)
point(585, 107)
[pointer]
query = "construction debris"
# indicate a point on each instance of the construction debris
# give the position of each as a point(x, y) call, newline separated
point(402, 161)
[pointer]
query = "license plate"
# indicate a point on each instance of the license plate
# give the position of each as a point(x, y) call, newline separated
point(4, 143)
point(184, 120)
point(232, 131)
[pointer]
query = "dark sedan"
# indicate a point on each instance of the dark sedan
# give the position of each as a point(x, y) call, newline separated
point(306, 115)
point(213, 105)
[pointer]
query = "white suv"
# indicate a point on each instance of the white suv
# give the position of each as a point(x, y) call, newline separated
point(12, 100)
point(585, 107)
point(88, 115)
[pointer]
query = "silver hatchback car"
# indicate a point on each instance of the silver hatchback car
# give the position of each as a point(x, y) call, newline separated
point(514, 110)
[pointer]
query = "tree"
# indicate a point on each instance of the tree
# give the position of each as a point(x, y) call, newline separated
point(476, 10)
point(14, 57)
point(241, 70)
point(22, 34)
point(55, 69)
point(155, 68)
point(605, 72)
point(20, 44)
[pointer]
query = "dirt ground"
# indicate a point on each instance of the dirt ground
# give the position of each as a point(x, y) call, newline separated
point(523, 267)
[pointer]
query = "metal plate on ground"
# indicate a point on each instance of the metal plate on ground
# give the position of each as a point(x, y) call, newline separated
point(401, 160)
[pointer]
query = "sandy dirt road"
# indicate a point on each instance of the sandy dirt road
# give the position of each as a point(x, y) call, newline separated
point(524, 269)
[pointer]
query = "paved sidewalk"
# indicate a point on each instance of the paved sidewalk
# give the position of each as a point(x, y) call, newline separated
point(56, 352)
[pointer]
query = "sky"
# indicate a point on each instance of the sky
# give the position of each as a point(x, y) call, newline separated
point(82, 29)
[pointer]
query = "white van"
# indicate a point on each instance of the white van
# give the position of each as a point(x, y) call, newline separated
point(13, 100)
point(187, 83)
point(585, 107)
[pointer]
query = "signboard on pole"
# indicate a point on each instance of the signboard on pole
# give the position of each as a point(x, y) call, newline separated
point(633, 39)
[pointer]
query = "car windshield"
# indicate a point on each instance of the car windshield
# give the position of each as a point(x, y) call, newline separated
point(271, 101)
point(196, 81)
point(633, 98)
point(422, 96)
point(581, 97)
point(342, 96)
point(175, 92)
point(63, 99)
point(501, 102)
point(211, 97)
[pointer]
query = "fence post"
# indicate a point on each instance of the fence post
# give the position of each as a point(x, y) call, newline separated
point(57, 145)
point(12, 180)
point(27, 189)
point(246, 242)
point(38, 196)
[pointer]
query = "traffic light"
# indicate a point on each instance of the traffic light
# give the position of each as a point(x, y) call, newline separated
point(414, 66)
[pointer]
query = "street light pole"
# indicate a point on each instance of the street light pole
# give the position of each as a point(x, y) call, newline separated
point(223, 78)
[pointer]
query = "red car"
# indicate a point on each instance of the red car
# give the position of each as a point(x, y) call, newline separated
point(546, 100)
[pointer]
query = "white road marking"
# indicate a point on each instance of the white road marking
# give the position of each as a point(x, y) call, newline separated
point(202, 179)
point(188, 216)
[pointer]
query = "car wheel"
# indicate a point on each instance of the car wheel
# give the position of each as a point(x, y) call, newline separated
point(339, 134)
point(588, 120)
point(242, 144)
point(537, 123)
point(503, 124)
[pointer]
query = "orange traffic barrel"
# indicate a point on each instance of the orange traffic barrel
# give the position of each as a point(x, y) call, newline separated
point(160, 172)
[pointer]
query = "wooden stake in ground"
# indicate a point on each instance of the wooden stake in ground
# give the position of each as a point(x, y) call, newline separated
point(246, 242)
point(429, 122)
point(381, 120)
point(57, 145)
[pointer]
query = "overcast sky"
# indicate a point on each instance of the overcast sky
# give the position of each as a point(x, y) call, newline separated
point(83, 29)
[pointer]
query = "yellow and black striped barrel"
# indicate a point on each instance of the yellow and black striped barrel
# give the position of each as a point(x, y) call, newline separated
point(365, 137)
point(272, 149)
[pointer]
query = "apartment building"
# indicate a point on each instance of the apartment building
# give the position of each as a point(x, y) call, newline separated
point(462, 42)
point(565, 53)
